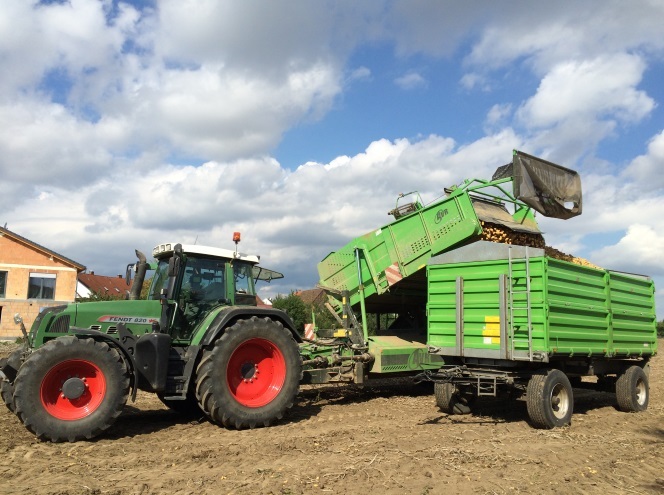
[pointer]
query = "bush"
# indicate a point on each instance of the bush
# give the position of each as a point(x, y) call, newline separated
point(295, 308)
point(660, 328)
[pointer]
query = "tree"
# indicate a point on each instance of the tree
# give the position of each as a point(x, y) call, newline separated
point(145, 288)
point(295, 308)
point(324, 318)
point(660, 328)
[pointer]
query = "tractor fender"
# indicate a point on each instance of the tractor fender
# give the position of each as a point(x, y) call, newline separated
point(229, 316)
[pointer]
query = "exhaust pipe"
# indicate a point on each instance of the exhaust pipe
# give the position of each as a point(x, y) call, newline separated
point(141, 270)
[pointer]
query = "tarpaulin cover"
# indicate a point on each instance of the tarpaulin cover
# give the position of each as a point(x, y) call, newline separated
point(552, 190)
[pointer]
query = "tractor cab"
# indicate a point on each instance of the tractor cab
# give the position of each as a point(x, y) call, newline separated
point(199, 279)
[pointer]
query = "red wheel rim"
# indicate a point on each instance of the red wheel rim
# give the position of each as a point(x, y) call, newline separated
point(89, 378)
point(256, 372)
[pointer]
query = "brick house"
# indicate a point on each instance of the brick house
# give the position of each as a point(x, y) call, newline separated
point(32, 277)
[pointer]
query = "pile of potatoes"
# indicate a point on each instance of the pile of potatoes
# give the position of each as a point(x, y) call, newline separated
point(559, 255)
point(499, 233)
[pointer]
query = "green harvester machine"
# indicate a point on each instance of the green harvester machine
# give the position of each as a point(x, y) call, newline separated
point(481, 318)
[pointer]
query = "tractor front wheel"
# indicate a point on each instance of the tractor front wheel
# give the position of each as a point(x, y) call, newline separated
point(251, 376)
point(71, 389)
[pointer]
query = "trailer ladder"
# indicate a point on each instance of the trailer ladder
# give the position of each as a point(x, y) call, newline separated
point(487, 385)
point(519, 305)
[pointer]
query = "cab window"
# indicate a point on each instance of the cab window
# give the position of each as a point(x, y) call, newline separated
point(244, 283)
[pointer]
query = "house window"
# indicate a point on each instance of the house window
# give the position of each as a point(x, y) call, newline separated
point(3, 284)
point(42, 286)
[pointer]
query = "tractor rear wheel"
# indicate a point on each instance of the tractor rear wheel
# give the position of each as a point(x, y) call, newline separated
point(10, 367)
point(71, 389)
point(251, 376)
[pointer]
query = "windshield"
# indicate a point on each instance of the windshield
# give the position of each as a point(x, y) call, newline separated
point(203, 280)
point(159, 280)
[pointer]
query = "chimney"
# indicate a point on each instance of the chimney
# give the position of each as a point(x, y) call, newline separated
point(92, 273)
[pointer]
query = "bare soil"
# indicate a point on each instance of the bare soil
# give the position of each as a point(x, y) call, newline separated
point(387, 438)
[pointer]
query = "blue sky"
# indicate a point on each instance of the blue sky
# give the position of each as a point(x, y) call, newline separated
point(125, 124)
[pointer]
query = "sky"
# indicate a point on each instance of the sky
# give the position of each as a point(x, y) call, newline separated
point(297, 123)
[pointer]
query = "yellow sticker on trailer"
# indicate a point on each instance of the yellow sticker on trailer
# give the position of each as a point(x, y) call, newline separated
point(491, 330)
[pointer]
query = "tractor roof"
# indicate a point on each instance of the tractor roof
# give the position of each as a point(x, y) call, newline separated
point(166, 249)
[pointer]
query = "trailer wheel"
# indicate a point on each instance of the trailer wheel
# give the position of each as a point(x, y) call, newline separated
point(452, 400)
point(71, 389)
point(251, 376)
point(10, 367)
point(550, 399)
point(632, 390)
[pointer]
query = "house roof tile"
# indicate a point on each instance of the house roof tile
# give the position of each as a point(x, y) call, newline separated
point(101, 284)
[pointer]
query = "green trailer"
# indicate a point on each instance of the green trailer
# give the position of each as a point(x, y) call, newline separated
point(502, 302)
point(509, 318)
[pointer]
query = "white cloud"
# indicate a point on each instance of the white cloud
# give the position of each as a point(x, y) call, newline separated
point(411, 80)
point(360, 74)
point(111, 103)
point(548, 34)
point(43, 143)
point(639, 251)
point(472, 80)
point(605, 86)
point(648, 169)
point(498, 114)
point(258, 37)
point(218, 114)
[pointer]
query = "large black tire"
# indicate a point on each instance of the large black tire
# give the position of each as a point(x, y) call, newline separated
point(633, 390)
point(451, 400)
point(10, 367)
point(550, 399)
point(251, 376)
point(71, 389)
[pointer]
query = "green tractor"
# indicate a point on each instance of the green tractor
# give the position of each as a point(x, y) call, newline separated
point(199, 341)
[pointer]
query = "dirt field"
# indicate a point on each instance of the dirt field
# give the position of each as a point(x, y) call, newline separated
point(384, 439)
